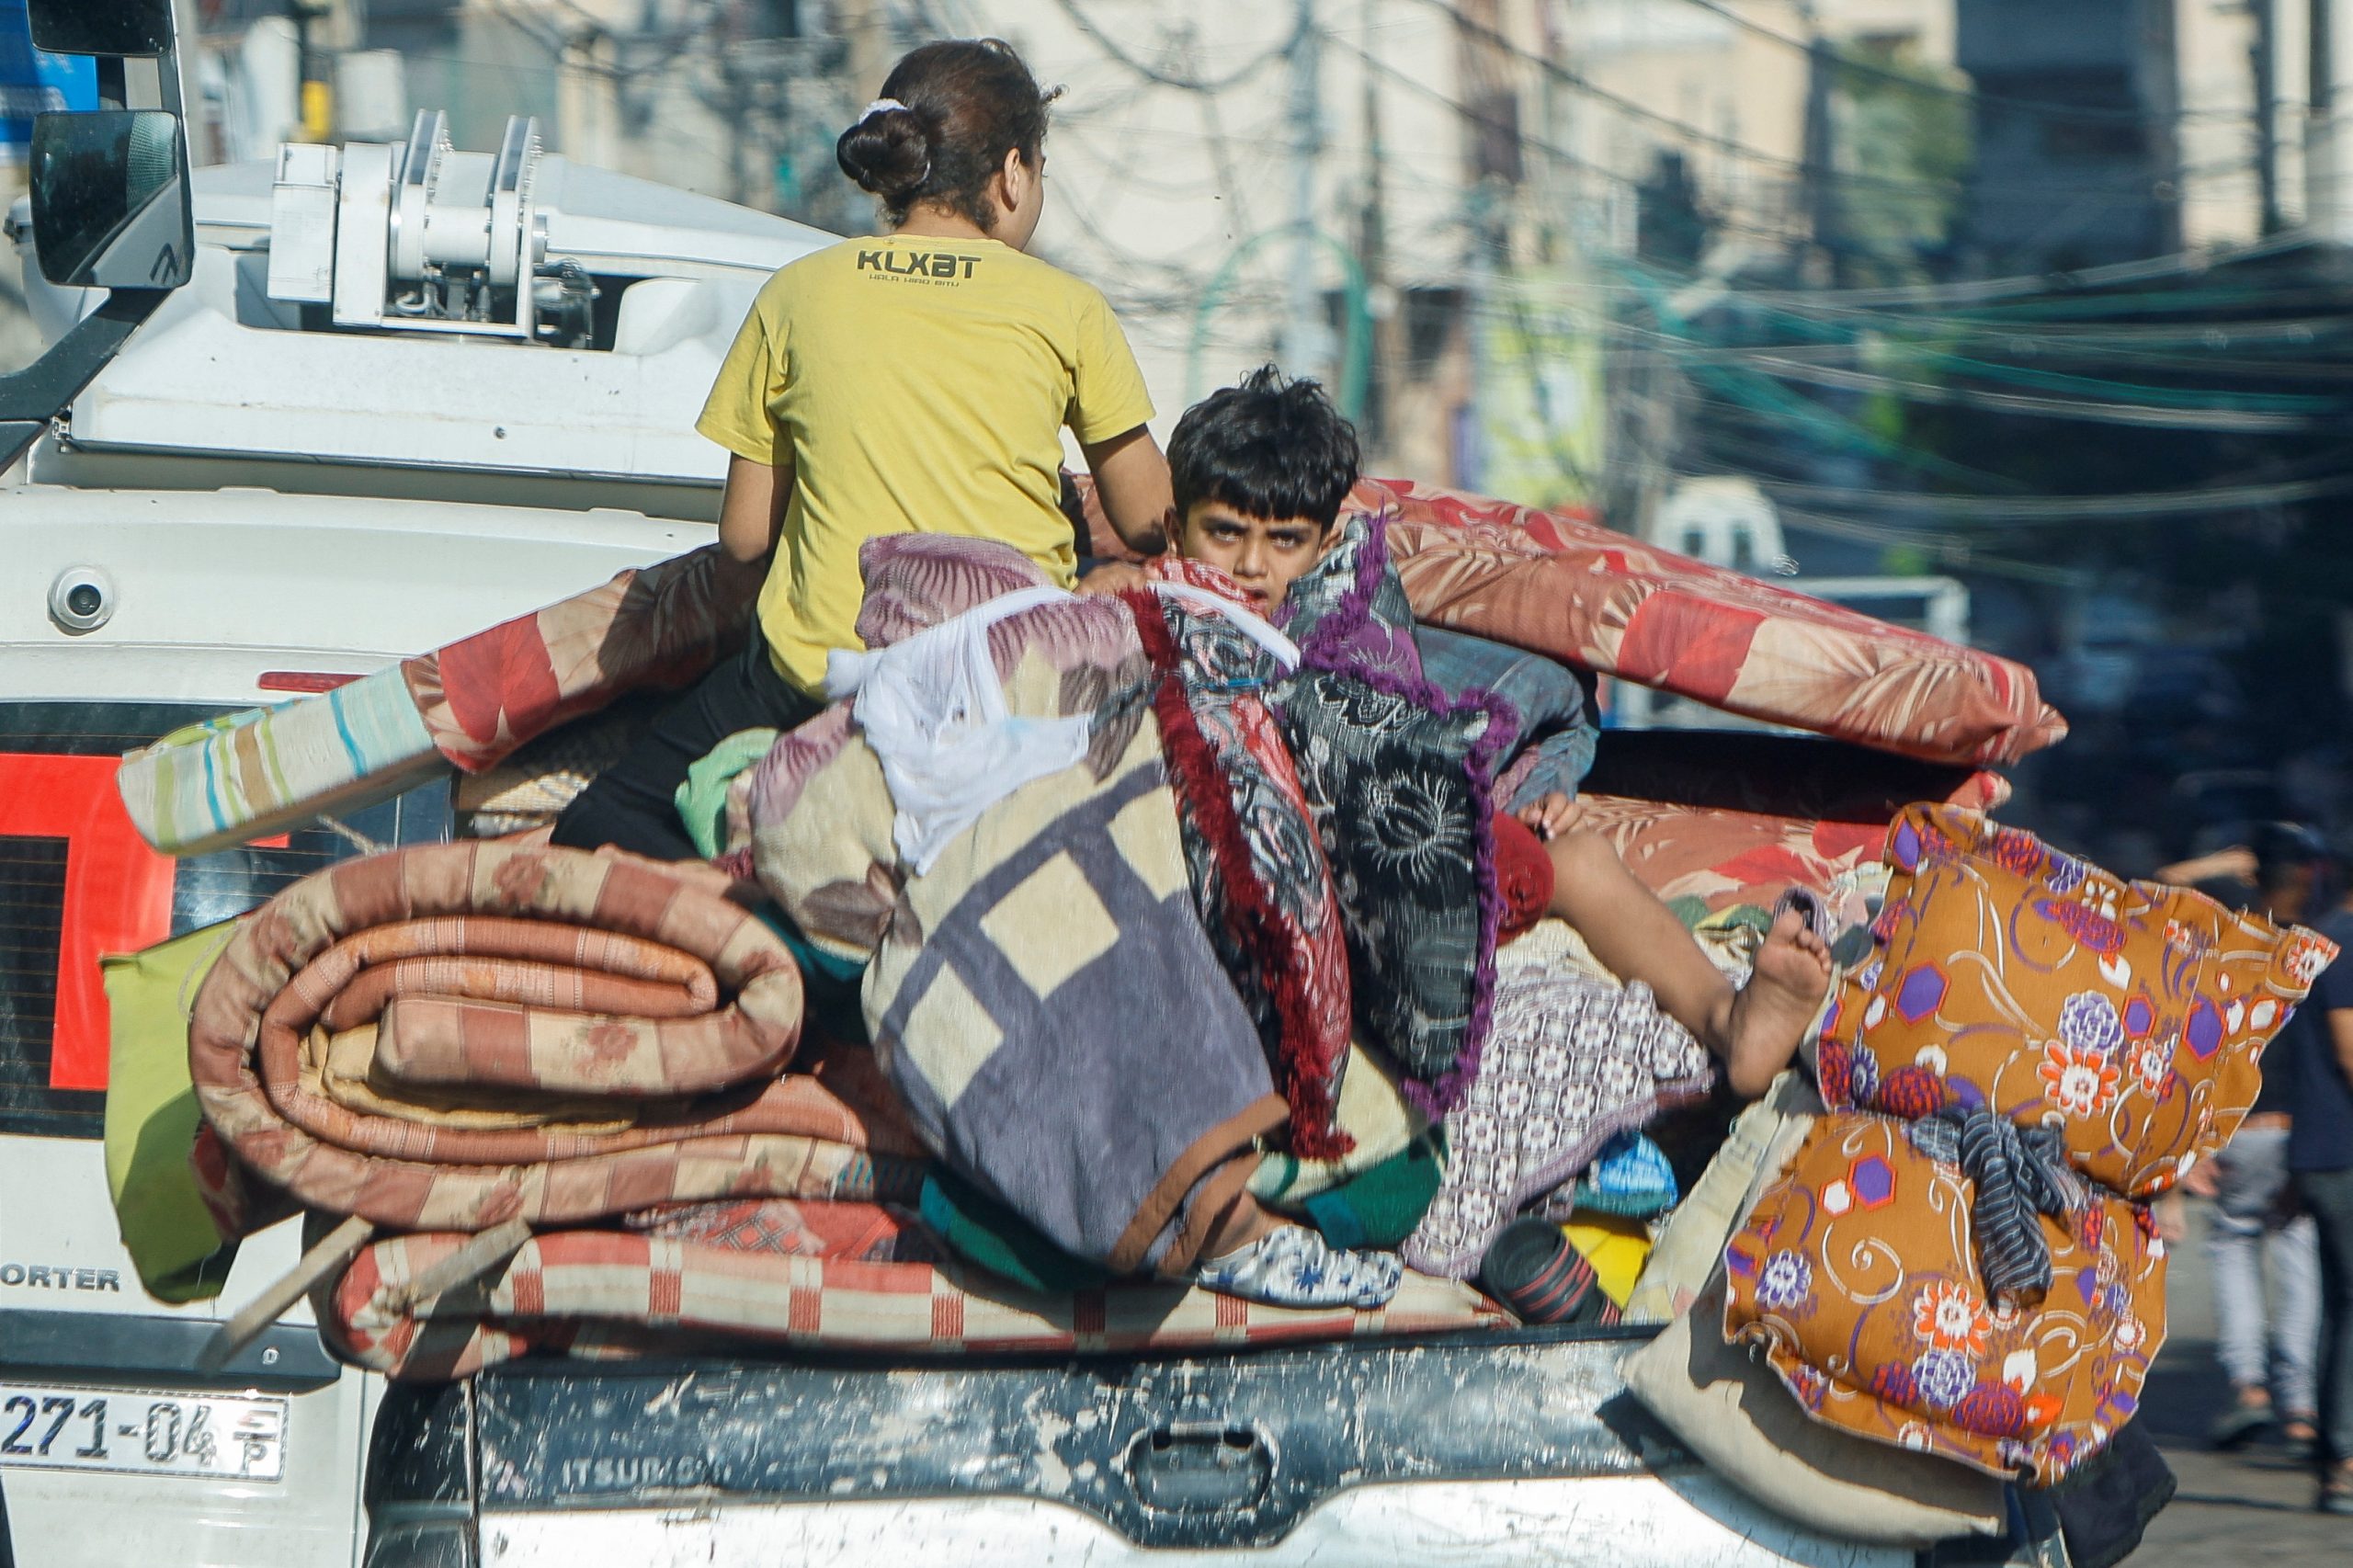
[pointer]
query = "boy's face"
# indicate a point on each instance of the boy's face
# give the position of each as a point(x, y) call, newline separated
point(1263, 554)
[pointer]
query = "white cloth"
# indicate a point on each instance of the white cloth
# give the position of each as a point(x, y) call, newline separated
point(1282, 649)
point(933, 709)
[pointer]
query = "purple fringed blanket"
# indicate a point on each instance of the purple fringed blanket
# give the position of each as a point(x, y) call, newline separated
point(1400, 778)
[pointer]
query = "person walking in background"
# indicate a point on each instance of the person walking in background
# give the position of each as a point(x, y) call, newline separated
point(2320, 1156)
point(2268, 1354)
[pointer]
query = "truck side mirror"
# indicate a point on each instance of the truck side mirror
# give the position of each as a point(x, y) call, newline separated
point(110, 203)
point(100, 27)
point(110, 199)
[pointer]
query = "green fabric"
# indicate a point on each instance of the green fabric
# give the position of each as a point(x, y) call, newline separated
point(1749, 915)
point(830, 984)
point(702, 799)
point(1380, 1208)
point(1373, 1112)
point(833, 982)
point(979, 1230)
point(151, 1118)
point(1691, 911)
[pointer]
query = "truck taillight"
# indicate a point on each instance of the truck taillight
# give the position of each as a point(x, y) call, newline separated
point(305, 682)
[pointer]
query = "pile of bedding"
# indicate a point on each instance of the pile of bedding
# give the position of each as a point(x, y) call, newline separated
point(607, 1064)
point(465, 708)
point(1947, 1264)
point(1171, 955)
point(458, 1036)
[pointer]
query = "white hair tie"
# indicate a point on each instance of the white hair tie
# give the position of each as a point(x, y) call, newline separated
point(877, 106)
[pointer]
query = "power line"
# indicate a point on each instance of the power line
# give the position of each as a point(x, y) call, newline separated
point(1943, 548)
point(2199, 418)
point(2052, 111)
point(2157, 402)
point(1110, 46)
point(1846, 433)
point(2028, 510)
point(2040, 286)
point(1761, 394)
point(2124, 402)
point(1549, 149)
point(2332, 368)
point(2120, 401)
point(681, 41)
point(1578, 82)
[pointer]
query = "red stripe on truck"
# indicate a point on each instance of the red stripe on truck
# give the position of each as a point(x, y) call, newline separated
point(118, 892)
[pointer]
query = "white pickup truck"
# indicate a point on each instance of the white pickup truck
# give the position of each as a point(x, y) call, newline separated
point(406, 393)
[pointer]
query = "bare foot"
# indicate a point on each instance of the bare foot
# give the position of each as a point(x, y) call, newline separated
point(1768, 1016)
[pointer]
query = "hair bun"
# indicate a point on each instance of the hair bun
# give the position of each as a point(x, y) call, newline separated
point(887, 152)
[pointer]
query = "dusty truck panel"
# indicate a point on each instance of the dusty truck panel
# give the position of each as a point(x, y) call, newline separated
point(1503, 1449)
point(1623, 1521)
point(1188, 1453)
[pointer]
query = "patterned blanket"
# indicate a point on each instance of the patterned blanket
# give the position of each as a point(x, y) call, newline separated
point(2128, 1019)
point(1048, 1005)
point(1401, 778)
point(1560, 583)
point(453, 1036)
point(604, 1293)
point(467, 705)
point(816, 811)
point(1573, 1060)
point(1042, 998)
point(1259, 877)
point(1856, 1273)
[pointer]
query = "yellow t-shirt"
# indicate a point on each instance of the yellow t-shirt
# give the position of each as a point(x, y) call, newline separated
point(914, 384)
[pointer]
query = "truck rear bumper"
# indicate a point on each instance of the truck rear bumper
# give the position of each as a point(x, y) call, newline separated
point(1502, 1449)
point(1687, 1520)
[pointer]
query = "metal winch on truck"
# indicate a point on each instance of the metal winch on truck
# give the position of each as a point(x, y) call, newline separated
point(302, 417)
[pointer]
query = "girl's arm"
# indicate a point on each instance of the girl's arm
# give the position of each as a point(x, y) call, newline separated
point(1132, 480)
point(751, 514)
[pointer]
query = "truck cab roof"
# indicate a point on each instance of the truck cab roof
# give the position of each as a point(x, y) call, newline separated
point(247, 376)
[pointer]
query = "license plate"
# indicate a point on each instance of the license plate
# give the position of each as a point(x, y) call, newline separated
point(219, 1436)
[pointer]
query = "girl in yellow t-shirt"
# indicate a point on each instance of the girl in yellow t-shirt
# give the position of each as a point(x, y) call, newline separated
point(917, 380)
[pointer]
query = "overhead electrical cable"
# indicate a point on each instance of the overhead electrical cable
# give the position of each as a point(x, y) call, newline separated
point(1698, 135)
point(1111, 47)
point(2031, 510)
point(2087, 410)
point(2041, 108)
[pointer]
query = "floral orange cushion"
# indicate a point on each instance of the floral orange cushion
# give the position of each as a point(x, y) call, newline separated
point(2128, 1015)
point(1855, 1271)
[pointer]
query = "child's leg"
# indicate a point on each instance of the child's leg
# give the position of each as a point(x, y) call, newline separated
point(631, 804)
point(1754, 1030)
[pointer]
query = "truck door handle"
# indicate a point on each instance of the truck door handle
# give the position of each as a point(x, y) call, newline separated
point(1201, 1467)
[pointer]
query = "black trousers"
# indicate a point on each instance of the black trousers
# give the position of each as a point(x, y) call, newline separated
point(633, 805)
point(2328, 1195)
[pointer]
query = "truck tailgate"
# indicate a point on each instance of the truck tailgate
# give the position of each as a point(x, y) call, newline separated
point(1503, 1449)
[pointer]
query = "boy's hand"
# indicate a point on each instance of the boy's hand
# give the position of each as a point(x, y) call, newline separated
point(2173, 1221)
point(1552, 816)
point(1112, 577)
